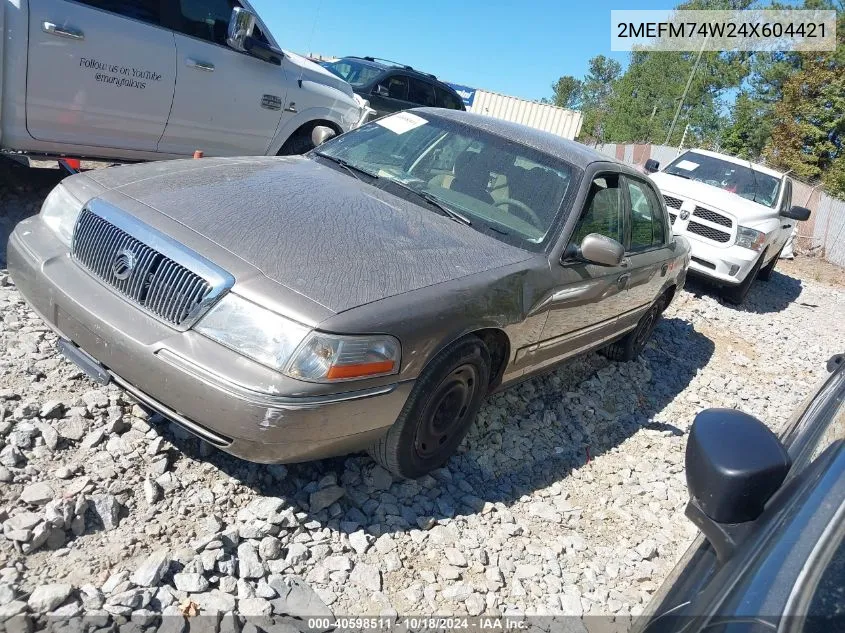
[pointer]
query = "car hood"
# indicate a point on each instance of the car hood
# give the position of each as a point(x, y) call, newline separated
point(744, 210)
point(316, 230)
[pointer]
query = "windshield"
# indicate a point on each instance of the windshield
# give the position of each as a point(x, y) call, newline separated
point(354, 72)
point(739, 179)
point(502, 188)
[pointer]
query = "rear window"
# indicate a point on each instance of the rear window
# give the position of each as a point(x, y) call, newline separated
point(446, 99)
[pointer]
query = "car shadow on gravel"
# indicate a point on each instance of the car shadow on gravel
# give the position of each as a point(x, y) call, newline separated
point(526, 439)
point(764, 297)
point(22, 190)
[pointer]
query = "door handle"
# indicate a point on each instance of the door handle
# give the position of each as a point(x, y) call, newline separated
point(623, 279)
point(193, 63)
point(62, 31)
point(664, 269)
point(786, 226)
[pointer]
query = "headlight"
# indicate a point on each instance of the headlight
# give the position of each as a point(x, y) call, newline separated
point(330, 358)
point(253, 331)
point(60, 212)
point(750, 238)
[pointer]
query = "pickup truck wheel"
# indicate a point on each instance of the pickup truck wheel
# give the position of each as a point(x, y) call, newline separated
point(766, 271)
point(736, 294)
point(299, 143)
point(439, 412)
point(632, 344)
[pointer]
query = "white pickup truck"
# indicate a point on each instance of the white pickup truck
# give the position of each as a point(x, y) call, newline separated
point(736, 215)
point(155, 79)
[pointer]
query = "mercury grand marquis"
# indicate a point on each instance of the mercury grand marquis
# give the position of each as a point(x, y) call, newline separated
point(368, 295)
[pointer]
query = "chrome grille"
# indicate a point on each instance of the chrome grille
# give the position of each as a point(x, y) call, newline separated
point(712, 216)
point(710, 233)
point(674, 203)
point(155, 282)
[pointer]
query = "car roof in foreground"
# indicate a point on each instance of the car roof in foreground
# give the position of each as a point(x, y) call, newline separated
point(545, 142)
point(739, 161)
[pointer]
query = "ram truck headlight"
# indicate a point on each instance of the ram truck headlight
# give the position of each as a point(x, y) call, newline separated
point(331, 358)
point(750, 238)
point(60, 212)
point(255, 332)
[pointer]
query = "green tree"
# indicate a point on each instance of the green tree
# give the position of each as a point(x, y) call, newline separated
point(749, 127)
point(566, 92)
point(596, 90)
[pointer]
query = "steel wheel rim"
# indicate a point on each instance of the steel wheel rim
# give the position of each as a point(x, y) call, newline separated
point(645, 328)
point(451, 403)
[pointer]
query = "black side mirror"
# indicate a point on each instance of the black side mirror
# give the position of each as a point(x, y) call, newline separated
point(259, 49)
point(802, 214)
point(734, 465)
point(651, 166)
point(602, 250)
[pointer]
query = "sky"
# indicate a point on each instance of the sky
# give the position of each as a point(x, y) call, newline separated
point(517, 48)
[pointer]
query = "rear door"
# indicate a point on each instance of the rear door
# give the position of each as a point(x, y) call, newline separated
point(647, 247)
point(421, 93)
point(100, 72)
point(226, 102)
point(446, 99)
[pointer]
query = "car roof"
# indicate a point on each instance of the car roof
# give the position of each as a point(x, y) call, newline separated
point(546, 142)
point(385, 64)
point(739, 161)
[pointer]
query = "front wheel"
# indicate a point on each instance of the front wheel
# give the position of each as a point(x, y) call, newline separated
point(439, 412)
point(765, 273)
point(736, 294)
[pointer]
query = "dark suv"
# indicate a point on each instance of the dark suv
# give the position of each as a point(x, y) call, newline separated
point(391, 87)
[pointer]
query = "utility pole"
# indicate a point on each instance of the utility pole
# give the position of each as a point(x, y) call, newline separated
point(683, 138)
point(686, 90)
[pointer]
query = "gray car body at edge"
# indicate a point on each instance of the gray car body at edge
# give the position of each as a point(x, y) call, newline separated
point(312, 243)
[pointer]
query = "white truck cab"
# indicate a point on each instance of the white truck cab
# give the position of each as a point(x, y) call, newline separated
point(736, 215)
point(153, 79)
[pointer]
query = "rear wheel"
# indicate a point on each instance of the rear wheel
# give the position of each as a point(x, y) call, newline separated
point(736, 294)
point(439, 412)
point(632, 344)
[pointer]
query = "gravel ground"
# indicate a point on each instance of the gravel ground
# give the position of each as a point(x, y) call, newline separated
point(566, 498)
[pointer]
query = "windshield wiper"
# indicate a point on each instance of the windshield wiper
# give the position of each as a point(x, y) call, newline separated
point(352, 169)
point(435, 202)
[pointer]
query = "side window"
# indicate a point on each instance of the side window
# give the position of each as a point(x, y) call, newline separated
point(144, 10)
point(446, 99)
point(421, 92)
point(397, 87)
point(602, 212)
point(647, 222)
point(206, 19)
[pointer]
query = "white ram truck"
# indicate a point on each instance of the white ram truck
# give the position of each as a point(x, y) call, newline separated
point(155, 79)
point(736, 215)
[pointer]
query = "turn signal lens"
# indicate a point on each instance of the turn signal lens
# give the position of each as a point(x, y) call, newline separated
point(329, 358)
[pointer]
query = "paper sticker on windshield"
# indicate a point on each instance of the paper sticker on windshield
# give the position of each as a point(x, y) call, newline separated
point(401, 122)
point(686, 165)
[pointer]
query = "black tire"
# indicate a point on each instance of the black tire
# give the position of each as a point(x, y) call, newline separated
point(632, 344)
point(299, 143)
point(766, 271)
point(736, 294)
point(439, 412)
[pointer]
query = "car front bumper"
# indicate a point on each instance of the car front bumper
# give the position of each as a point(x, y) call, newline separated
point(725, 265)
point(213, 392)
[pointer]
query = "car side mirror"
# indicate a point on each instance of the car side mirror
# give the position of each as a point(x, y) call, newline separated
point(651, 166)
point(802, 214)
point(322, 133)
point(381, 91)
point(602, 250)
point(241, 27)
point(734, 465)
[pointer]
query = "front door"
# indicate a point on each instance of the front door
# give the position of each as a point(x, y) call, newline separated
point(391, 95)
point(787, 225)
point(226, 103)
point(99, 73)
point(585, 302)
